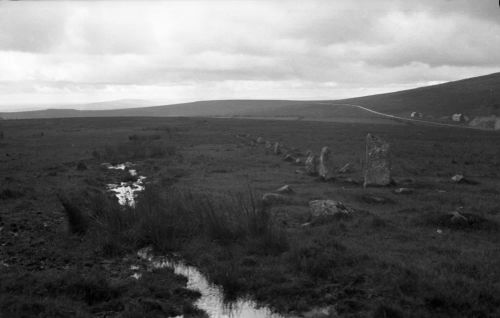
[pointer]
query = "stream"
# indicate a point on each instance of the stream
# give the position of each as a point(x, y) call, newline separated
point(212, 297)
point(126, 192)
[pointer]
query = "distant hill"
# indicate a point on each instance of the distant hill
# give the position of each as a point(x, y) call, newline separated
point(478, 96)
point(473, 96)
point(114, 104)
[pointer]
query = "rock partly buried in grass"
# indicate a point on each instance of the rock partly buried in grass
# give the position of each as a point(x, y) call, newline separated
point(260, 140)
point(277, 148)
point(321, 208)
point(346, 168)
point(289, 158)
point(285, 189)
point(378, 164)
point(460, 178)
point(460, 220)
point(300, 171)
point(325, 167)
point(311, 164)
point(375, 199)
point(403, 191)
point(273, 198)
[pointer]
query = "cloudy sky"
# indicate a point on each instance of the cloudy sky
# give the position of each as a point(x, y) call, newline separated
point(56, 52)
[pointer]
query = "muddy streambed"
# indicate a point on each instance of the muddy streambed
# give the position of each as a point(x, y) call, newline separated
point(212, 297)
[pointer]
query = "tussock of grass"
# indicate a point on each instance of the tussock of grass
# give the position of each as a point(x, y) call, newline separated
point(77, 219)
point(89, 293)
point(169, 219)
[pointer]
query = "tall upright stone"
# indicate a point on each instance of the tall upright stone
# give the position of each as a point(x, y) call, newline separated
point(378, 164)
point(326, 166)
point(311, 164)
point(277, 148)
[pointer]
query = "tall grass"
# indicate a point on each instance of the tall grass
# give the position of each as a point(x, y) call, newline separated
point(169, 218)
point(78, 222)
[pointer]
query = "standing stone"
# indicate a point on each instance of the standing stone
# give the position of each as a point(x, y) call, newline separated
point(311, 164)
point(325, 168)
point(378, 165)
point(277, 148)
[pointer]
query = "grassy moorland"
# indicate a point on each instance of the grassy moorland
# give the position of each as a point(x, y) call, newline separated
point(66, 247)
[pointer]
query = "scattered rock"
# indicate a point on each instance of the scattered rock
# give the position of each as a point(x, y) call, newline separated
point(260, 140)
point(285, 189)
point(277, 148)
point(325, 168)
point(403, 191)
point(458, 178)
point(458, 218)
point(311, 164)
point(346, 168)
point(298, 161)
point(273, 198)
point(370, 198)
point(289, 158)
point(377, 165)
point(328, 207)
point(300, 171)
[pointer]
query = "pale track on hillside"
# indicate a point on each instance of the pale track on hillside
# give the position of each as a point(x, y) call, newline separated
point(424, 122)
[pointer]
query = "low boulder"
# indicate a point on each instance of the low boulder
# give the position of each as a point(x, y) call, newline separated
point(289, 158)
point(285, 189)
point(320, 208)
point(403, 191)
point(458, 178)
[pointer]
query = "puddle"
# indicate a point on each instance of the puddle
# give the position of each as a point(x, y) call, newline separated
point(212, 298)
point(126, 192)
point(120, 166)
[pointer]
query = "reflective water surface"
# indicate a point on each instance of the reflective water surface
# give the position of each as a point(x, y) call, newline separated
point(126, 192)
point(212, 299)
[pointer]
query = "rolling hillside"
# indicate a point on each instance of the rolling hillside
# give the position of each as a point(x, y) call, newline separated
point(478, 96)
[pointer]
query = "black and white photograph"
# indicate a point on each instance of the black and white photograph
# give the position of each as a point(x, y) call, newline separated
point(249, 158)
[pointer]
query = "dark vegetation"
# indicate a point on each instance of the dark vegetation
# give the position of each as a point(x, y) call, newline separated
point(401, 256)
